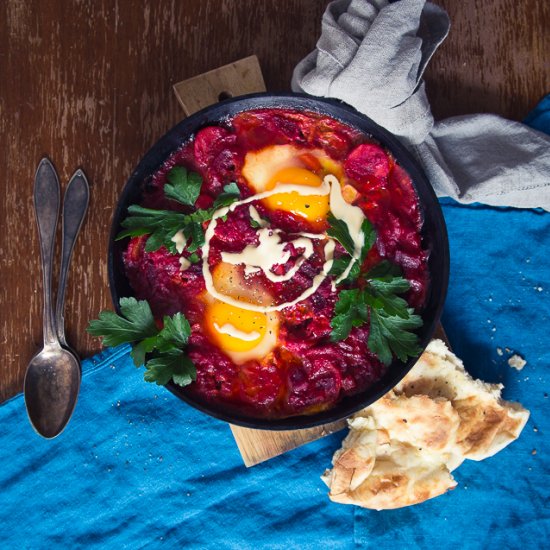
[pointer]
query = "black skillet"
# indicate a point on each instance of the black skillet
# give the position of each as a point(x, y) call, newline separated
point(434, 238)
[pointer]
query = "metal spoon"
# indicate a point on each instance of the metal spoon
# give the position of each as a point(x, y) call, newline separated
point(75, 204)
point(52, 380)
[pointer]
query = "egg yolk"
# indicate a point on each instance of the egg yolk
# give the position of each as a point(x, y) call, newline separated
point(235, 329)
point(229, 280)
point(314, 208)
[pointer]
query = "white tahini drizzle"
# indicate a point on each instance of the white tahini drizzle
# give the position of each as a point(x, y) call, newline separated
point(230, 330)
point(256, 216)
point(179, 240)
point(270, 250)
point(184, 264)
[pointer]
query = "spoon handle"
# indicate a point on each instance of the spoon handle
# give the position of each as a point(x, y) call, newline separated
point(46, 208)
point(75, 204)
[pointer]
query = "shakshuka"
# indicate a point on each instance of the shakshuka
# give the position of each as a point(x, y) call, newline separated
point(260, 292)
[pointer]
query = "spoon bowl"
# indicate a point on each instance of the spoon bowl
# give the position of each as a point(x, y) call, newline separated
point(51, 387)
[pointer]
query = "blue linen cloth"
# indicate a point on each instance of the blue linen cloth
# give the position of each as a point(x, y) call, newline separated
point(498, 302)
point(137, 468)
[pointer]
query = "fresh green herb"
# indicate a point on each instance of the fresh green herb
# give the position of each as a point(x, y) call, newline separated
point(339, 231)
point(174, 333)
point(369, 238)
point(183, 186)
point(173, 365)
point(162, 225)
point(385, 290)
point(339, 265)
point(230, 194)
point(196, 232)
point(259, 223)
point(254, 224)
point(384, 269)
point(137, 323)
point(137, 326)
point(194, 258)
point(390, 333)
point(348, 312)
point(376, 302)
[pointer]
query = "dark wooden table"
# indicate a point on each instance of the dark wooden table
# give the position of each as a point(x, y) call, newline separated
point(89, 84)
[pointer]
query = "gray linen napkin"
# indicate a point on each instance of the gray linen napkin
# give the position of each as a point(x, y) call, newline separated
point(372, 54)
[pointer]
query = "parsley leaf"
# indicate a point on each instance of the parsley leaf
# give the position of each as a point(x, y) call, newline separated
point(347, 314)
point(339, 230)
point(386, 290)
point(383, 269)
point(175, 332)
point(183, 186)
point(137, 326)
point(231, 193)
point(140, 349)
point(138, 323)
point(369, 237)
point(391, 321)
point(258, 223)
point(196, 232)
point(162, 225)
point(392, 334)
point(173, 365)
point(339, 265)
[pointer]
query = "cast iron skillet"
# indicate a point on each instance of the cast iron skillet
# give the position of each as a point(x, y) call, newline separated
point(434, 238)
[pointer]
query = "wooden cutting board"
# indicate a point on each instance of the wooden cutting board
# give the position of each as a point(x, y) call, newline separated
point(240, 78)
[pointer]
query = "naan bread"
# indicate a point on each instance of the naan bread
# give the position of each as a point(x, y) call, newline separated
point(402, 449)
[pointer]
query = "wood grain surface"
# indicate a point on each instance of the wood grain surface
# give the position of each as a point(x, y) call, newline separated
point(89, 83)
point(496, 58)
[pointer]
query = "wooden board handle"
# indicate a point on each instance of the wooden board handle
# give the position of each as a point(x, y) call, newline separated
point(238, 78)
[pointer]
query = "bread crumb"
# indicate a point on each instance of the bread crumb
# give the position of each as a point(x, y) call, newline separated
point(517, 362)
point(534, 452)
point(499, 351)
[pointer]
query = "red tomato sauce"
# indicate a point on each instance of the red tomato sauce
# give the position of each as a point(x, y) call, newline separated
point(306, 372)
